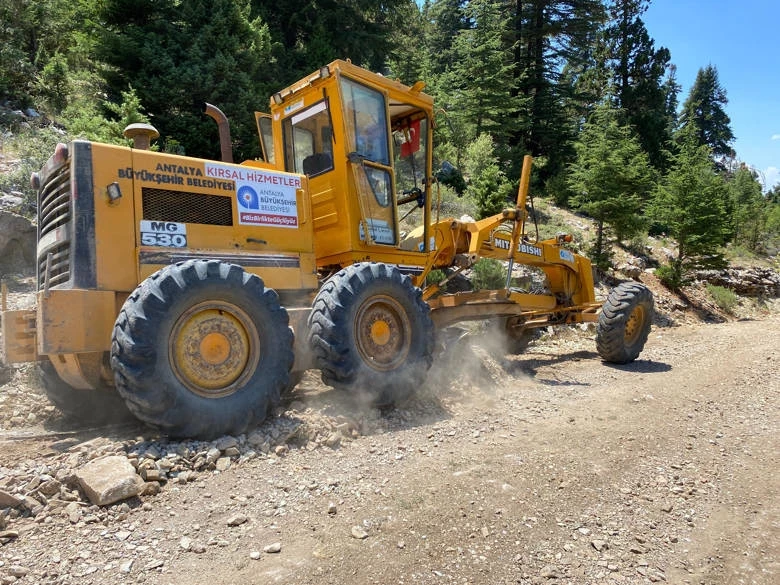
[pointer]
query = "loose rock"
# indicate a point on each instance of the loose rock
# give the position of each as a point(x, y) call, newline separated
point(109, 479)
point(237, 520)
point(359, 533)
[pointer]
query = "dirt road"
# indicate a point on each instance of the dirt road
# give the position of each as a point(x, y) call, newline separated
point(549, 467)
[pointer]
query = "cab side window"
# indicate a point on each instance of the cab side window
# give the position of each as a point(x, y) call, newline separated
point(364, 113)
point(308, 142)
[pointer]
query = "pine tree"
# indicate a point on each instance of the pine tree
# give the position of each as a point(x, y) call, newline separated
point(547, 35)
point(704, 112)
point(488, 185)
point(307, 34)
point(671, 99)
point(408, 58)
point(178, 55)
point(638, 77)
point(46, 52)
point(773, 195)
point(690, 206)
point(748, 209)
point(483, 91)
point(610, 178)
point(444, 19)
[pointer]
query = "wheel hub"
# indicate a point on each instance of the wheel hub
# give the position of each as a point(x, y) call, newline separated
point(634, 324)
point(212, 348)
point(382, 333)
point(215, 348)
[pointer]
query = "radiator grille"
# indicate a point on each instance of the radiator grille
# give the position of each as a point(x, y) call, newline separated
point(55, 210)
point(183, 207)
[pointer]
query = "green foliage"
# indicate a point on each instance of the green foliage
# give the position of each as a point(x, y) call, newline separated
point(637, 70)
point(485, 91)
point(724, 298)
point(406, 59)
point(748, 209)
point(610, 179)
point(704, 112)
point(488, 274)
point(691, 203)
point(435, 276)
point(33, 147)
point(545, 36)
point(306, 34)
point(772, 229)
point(488, 185)
point(49, 43)
point(773, 195)
point(557, 187)
point(53, 84)
point(669, 277)
point(450, 205)
point(739, 254)
point(87, 120)
point(179, 55)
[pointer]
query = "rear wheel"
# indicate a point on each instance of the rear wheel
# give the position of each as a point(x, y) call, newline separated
point(624, 323)
point(202, 349)
point(371, 333)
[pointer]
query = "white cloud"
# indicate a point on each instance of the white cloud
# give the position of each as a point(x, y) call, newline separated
point(775, 136)
point(772, 177)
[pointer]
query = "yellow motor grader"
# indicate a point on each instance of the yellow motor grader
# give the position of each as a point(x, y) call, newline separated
point(193, 291)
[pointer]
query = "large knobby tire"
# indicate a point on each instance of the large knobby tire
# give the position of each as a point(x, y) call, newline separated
point(624, 323)
point(93, 407)
point(371, 333)
point(202, 349)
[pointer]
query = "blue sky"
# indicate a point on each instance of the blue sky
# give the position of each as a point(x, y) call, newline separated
point(740, 40)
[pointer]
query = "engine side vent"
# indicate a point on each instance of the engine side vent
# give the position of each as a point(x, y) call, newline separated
point(183, 207)
point(54, 211)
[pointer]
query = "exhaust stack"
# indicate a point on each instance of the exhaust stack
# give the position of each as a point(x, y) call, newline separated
point(224, 131)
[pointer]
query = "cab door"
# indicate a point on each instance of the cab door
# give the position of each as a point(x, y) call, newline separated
point(368, 142)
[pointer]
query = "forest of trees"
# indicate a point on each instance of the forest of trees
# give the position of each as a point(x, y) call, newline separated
point(579, 84)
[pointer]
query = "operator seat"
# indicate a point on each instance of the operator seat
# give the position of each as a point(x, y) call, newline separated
point(317, 163)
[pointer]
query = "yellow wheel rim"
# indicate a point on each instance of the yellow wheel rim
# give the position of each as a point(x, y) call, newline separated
point(382, 333)
point(214, 347)
point(634, 325)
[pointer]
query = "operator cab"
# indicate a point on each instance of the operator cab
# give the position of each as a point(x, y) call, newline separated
point(364, 143)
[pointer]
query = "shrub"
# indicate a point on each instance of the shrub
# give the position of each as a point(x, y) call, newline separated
point(32, 146)
point(489, 274)
point(435, 276)
point(488, 184)
point(669, 276)
point(727, 300)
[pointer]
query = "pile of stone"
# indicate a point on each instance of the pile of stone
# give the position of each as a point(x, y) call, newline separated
point(88, 476)
point(754, 281)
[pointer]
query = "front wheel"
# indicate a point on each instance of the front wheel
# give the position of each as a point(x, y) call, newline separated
point(371, 333)
point(202, 349)
point(624, 323)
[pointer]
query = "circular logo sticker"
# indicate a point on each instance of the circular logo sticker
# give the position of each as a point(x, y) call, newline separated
point(247, 197)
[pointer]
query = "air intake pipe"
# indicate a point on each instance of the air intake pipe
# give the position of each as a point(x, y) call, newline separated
point(141, 134)
point(224, 131)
